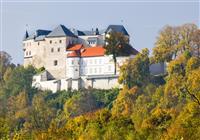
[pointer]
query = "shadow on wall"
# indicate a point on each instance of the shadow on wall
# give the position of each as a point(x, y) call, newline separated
point(158, 68)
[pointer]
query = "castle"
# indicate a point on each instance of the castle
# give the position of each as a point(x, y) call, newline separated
point(73, 59)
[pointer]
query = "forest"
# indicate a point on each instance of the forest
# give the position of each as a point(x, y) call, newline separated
point(148, 107)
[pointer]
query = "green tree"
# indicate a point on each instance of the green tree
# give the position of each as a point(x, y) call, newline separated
point(115, 45)
point(80, 104)
point(135, 72)
point(5, 62)
point(14, 84)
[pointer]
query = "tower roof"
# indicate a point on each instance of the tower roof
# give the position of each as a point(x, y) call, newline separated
point(117, 28)
point(61, 31)
point(26, 35)
point(37, 34)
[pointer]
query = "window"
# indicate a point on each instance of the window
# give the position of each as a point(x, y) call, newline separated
point(95, 61)
point(26, 53)
point(99, 61)
point(29, 52)
point(109, 68)
point(60, 41)
point(38, 43)
point(99, 70)
point(52, 49)
point(90, 61)
point(55, 62)
point(58, 49)
point(90, 70)
point(92, 42)
point(95, 70)
point(72, 62)
point(50, 41)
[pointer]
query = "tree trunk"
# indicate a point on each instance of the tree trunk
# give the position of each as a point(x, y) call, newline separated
point(115, 64)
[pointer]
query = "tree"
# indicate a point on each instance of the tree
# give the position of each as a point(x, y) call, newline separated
point(40, 114)
point(135, 72)
point(173, 41)
point(123, 105)
point(80, 104)
point(186, 36)
point(165, 44)
point(196, 39)
point(115, 44)
point(14, 84)
point(5, 62)
point(183, 78)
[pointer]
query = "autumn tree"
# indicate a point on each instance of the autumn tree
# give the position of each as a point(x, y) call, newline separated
point(115, 45)
point(196, 41)
point(166, 41)
point(183, 78)
point(173, 41)
point(5, 62)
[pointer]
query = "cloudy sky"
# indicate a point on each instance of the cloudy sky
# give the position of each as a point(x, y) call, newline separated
point(142, 19)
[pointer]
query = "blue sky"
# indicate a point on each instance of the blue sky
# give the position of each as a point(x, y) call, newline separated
point(142, 19)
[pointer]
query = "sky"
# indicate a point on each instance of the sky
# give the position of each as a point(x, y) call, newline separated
point(142, 19)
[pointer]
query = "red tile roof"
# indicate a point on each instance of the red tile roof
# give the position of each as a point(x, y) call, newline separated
point(80, 51)
point(72, 54)
point(88, 52)
point(92, 51)
point(75, 47)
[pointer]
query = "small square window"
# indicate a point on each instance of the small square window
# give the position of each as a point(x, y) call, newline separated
point(55, 62)
point(90, 61)
point(91, 70)
point(109, 68)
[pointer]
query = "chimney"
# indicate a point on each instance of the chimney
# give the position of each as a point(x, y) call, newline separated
point(97, 31)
